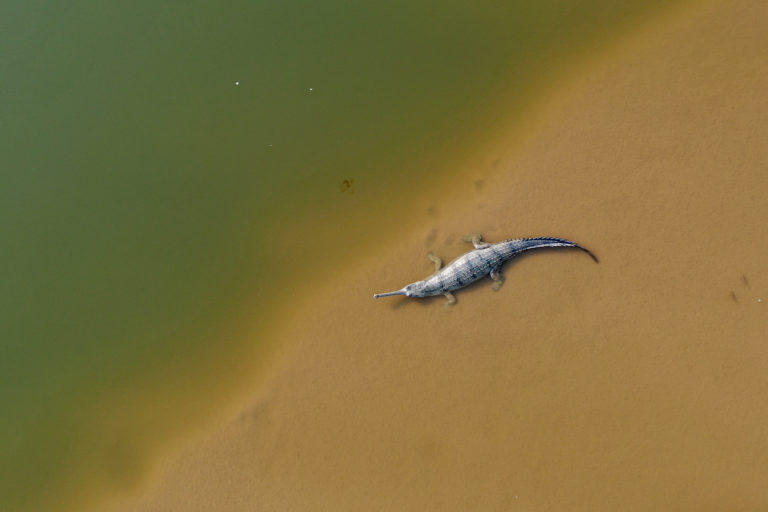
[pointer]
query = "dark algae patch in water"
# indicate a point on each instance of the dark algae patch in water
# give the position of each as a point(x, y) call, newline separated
point(149, 151)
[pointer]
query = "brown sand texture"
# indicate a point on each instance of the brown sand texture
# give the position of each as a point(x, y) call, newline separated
point(640, 383)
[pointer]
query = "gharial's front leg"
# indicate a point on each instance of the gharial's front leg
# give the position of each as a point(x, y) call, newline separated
point(451, 300)
point(498, 279)
point(437, 261)
point(477, 241)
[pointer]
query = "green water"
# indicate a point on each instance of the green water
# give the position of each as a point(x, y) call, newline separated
point(150, 150)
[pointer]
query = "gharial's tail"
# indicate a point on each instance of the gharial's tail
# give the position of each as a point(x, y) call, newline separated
point(525, 244)
point(398, 292)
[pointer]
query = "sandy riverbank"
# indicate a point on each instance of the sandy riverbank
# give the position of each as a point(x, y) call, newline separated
point(635, 384)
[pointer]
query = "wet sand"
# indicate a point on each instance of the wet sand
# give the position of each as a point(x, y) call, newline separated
point(636, 384)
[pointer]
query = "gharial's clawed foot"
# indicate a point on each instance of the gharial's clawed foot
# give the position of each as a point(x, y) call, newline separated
point(451, 300)
point(477, 240)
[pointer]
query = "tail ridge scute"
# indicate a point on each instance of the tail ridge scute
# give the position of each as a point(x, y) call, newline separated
point(547, 241)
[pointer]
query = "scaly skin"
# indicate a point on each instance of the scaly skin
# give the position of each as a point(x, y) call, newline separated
point(486, 259)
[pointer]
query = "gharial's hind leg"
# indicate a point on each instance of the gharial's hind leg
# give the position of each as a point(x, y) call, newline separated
point(451, 300)
point(498, 279)
point(476, 239)
point(437, 261)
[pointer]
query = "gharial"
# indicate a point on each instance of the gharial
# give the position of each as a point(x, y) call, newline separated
point(484, 260)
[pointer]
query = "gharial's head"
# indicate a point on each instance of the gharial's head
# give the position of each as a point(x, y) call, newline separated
point(411, 290)
point(414, 289)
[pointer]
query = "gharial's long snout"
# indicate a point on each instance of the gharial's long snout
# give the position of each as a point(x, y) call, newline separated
point(398, 292)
